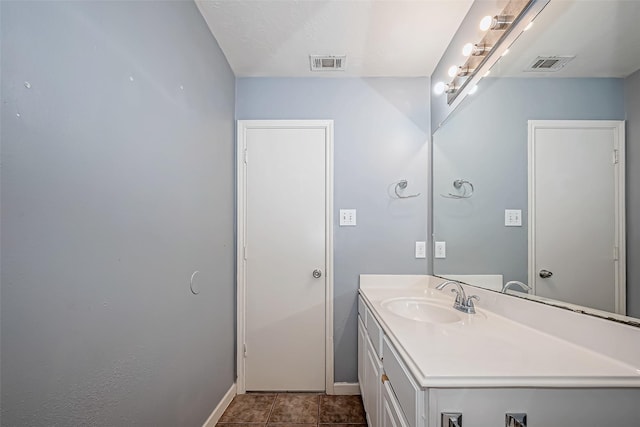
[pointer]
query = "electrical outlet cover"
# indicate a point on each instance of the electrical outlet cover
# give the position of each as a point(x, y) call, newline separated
point(513, 218)
point(347, 217)
point(421, 249)
point(440, 250)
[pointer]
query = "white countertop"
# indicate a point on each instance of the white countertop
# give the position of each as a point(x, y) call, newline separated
point(486, 349)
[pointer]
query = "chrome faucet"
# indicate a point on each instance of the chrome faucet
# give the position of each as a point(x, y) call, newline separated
point(515, 282)
point(462, 302)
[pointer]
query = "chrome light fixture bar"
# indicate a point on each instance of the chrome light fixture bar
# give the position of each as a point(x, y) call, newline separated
point(503, 30)
point(493, 43)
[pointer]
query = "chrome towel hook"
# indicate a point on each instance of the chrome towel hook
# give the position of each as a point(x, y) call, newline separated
point(400, 186)
point(461, 185)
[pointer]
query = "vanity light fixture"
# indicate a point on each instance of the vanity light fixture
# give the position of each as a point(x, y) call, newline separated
point(442, 87)
point(463, 71)
point(498, 22)
point(467, 49)
point(483, 54)
point(439, 88)
point(478, 49)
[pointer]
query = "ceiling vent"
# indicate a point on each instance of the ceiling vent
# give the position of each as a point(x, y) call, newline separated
point(549, 63)
point(327, 62)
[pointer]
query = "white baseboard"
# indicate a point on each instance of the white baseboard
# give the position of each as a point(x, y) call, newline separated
point(346, 388)
point(219, 410)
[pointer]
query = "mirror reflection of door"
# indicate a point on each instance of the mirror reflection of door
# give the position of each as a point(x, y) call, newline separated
point(576, 206)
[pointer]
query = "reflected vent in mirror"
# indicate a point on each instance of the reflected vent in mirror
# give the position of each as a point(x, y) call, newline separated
point(549, 63)
point(327, 62)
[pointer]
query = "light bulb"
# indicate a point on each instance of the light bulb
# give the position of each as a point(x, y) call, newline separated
point(439, 88)
point(486, 22)
point(453, 71)
point(467, 49)
point(473, 90)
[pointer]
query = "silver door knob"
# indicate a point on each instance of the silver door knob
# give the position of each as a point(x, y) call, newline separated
point(545, 274)
point(317, 273)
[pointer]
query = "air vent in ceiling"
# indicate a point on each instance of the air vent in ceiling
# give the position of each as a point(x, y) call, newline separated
point(327, 62)
point(549, 63)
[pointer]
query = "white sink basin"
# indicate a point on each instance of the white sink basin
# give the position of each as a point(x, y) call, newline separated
point(422, 310)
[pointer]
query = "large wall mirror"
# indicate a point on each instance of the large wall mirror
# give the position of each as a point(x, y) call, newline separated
point(536, 176)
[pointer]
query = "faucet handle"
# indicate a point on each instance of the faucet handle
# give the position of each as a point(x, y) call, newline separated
point(469, 301)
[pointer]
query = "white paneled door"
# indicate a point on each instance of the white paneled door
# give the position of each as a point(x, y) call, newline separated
point(285, 256)
point(576, 212)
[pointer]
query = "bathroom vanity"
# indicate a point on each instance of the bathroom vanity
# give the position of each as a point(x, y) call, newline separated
point(423, 364)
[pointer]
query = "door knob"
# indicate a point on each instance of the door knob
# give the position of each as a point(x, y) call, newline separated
point(545, 274)
point(317, 273)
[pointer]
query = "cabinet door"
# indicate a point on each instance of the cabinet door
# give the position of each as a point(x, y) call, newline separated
point(408, 394)
point(372, 374)
point(362, 339)
point(391, 415)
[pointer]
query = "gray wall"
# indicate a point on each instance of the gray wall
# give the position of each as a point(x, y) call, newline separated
point(117, 183)
point(632, 107)
point(381, 133)
point(485, 141)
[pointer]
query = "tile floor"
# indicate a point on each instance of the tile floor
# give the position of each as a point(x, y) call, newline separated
point(293, 410)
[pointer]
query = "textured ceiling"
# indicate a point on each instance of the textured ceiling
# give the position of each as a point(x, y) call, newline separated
point(381, 38)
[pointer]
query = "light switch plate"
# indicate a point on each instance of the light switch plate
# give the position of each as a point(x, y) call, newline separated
point(421, 249)
point(347, 217)
point(440, 250)
point(513, 218)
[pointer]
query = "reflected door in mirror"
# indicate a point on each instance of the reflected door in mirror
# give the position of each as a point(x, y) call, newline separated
point(575, 227)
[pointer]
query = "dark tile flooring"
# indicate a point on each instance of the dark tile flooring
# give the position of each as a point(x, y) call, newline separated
point(293, 410)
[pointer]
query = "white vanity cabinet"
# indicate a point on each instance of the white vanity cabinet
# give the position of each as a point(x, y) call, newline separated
point(362, 351)
point(566, 407)
point(391, 415)
point(489, 367)
point(369, 363)
point(384, 408)
point(409, 395)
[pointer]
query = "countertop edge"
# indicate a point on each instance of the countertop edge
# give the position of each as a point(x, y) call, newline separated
point(426, 381)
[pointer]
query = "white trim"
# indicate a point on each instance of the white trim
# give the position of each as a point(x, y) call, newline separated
point(346, 389)
point(242, 127)
point(620, 239)
point(329, 387)
point(221, 407)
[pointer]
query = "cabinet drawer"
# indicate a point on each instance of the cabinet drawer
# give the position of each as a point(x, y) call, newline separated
point(373, 375)
point(392, 415)
point(403, 385)
point(375, 333)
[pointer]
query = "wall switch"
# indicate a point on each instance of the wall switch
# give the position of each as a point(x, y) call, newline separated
point(440, 250)
point(347, 217)
point(513, 218)
point(421, 249)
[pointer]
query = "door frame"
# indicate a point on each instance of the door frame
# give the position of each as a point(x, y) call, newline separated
point(242, 127)
point(618, 127)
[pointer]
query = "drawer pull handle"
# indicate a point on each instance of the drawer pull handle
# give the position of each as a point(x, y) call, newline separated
point(384, 378)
